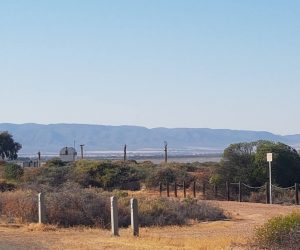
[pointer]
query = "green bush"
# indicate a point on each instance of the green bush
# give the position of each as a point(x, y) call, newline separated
point(104, 174)
point(281, 232)
point(13, 171)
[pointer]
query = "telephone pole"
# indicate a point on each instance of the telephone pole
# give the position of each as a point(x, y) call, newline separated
point(125, 152)
point(39, 158)
point(81, 148)
point(166, 152)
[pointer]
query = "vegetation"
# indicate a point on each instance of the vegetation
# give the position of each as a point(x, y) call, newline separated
point(282, 232)
point(73, 205)
point(246, 162)
point(13, 171)
point(8, 147)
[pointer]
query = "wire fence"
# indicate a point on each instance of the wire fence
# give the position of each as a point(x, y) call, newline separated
point(237, 191)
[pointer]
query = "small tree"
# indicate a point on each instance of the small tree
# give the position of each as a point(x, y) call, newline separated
point(8, 147)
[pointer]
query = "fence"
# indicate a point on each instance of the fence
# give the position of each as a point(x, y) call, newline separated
point(232, 191)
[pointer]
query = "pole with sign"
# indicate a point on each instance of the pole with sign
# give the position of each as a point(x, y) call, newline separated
point(270, 159)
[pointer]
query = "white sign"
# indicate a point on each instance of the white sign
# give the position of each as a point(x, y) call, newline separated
point(269, 157)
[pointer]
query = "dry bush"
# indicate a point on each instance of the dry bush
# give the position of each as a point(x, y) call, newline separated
point(73, 206)
point(19, 206)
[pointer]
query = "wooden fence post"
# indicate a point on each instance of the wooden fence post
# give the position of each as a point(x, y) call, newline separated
point(267, 193)
point(168, 189)
point(41, 208)
point(184, 190)
point(175, 189)
point(134, 217)
point(216, 191)
point(240, 192)
point(194, 189)
point(160, 189)
point(228, 190)
point(114, 216)
point(297, 193)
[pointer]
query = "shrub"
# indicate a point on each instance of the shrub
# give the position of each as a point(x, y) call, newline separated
point(168, 174)
point(50, 175)
point(19, 206)
point(72, 206)
point(104, 174)
point(281, 232)
point(163, 211)
point(13, 171)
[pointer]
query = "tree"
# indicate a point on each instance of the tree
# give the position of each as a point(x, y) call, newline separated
point(8, 147)
point(247, 162)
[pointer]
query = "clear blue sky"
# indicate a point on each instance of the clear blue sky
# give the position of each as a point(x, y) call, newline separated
point(189, 63)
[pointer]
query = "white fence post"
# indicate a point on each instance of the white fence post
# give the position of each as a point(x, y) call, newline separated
point(41, 208)
point(134, 216)
point(114, 216)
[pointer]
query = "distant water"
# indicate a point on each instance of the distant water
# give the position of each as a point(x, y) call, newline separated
point(155, 156)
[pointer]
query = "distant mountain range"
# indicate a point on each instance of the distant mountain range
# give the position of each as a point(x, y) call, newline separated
point(51, 138)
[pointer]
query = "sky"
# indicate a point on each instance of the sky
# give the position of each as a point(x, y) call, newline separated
point(161, 63)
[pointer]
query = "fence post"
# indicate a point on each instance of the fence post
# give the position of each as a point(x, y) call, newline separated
point(160, 189)
point(41, 208)
point(240, 192)
point(175, 189)
point(184, 190)
point(228, 190)
point(297, 193)
point(114, 216)
point(216, 191)
point(194, 189)
point(203, 189)
point(134, 216)
point(267, 193)
point(168, 189)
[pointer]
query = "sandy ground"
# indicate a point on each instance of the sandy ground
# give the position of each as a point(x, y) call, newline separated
point(231, 234)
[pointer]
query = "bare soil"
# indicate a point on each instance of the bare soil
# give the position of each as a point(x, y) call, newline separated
point(228, 234)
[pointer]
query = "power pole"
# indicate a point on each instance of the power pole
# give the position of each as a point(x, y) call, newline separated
point(81, 148)
point(166, 152)
point(125, 152)
point(39, 158)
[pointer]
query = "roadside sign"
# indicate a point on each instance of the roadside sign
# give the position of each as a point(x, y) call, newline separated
point(269, 157)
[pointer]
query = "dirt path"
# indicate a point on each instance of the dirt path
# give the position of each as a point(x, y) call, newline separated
point(205, 235)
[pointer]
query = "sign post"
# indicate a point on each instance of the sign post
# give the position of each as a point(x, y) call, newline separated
point(270, 159)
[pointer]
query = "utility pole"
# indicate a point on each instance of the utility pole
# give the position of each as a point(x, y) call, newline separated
point(81, 148)
point(270, 159)
point(125, 152)
point(39, 158)
point(166, 152)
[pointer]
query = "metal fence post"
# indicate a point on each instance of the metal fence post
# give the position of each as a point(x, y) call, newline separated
point(175, 189)
point(194, 189)
point(184, 190)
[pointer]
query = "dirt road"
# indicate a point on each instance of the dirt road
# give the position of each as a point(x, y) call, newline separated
point(205, 235)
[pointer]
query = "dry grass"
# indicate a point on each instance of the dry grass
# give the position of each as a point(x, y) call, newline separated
point(231, 234)
point(150, 238)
